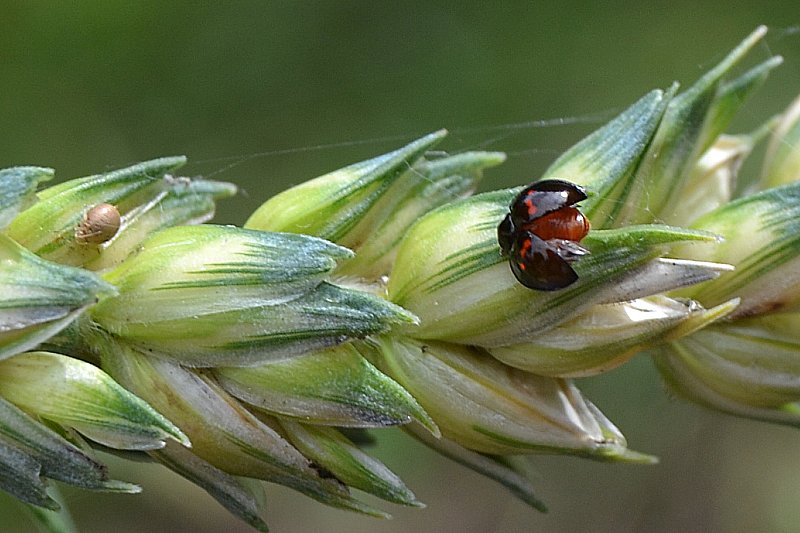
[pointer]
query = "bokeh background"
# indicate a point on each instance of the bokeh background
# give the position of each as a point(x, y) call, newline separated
point(267, 94)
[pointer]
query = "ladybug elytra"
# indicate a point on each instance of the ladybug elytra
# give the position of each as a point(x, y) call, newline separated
point(541, 232)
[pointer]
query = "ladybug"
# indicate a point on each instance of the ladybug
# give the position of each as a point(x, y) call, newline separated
point(540, 234)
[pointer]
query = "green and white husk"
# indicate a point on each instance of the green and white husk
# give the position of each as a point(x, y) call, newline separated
point(332, 387)
point(29, 451)
point(39, 298)
point(746, 366)
point(80, 396)
point(369, 206)
point(489, 408)
point(222, 431)
point(18, 190)
point(691, 122)
point(607, 335)
point(376, 296)
point(340, 206)
point(224, 296)
point(762, 239)
point(333, 451)
point(713, 179)
point(242, 497)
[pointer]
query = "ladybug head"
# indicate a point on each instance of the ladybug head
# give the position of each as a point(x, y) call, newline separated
point(505, 234)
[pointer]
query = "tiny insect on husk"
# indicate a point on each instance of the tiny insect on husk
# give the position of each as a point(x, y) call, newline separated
point(100, 223)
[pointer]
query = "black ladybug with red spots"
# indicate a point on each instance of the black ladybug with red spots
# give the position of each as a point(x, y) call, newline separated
point(541, 232)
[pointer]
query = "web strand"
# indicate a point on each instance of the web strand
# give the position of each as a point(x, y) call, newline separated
point(507, 130)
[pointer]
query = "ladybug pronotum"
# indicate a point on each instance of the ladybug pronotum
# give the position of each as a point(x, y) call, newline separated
point(99, 224)
point(541, 232)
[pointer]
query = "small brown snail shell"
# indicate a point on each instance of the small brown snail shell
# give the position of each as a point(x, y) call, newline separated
point(99, 224)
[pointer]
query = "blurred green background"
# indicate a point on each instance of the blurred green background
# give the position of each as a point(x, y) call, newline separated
point(270, 94)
